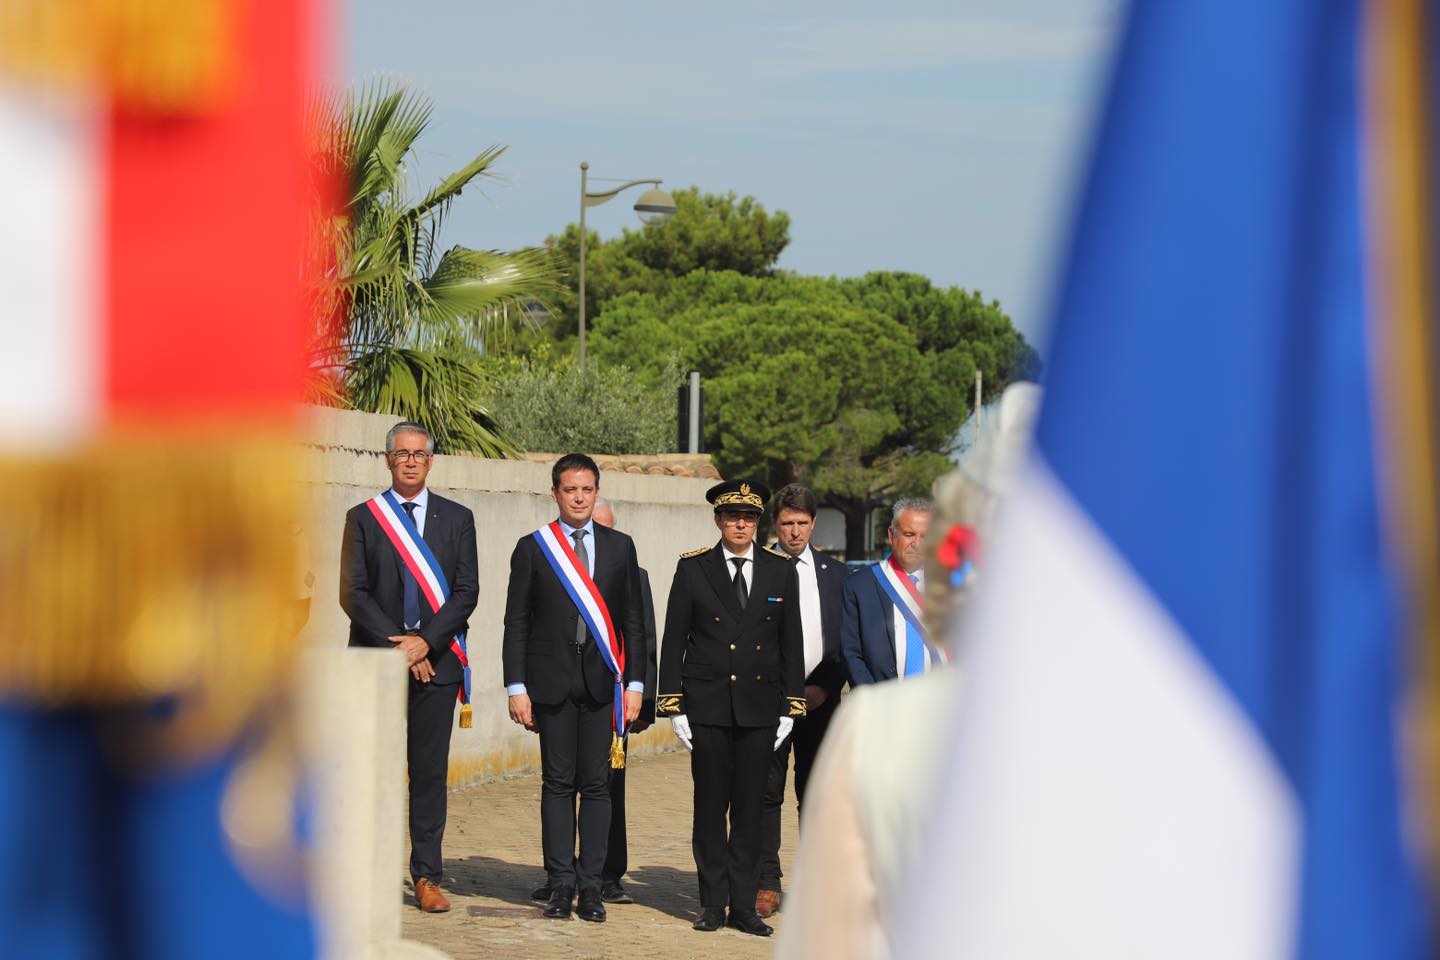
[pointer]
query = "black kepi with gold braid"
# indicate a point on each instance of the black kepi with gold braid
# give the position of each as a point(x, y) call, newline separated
point(746, 495)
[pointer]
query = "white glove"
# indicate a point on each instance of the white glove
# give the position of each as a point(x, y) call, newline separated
point(786, 725)
point(681, 726)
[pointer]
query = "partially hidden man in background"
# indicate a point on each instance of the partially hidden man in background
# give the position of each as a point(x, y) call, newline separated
point(821, 580)
point(574, 670)
point(882, 629)
point(408, 580)
point(617, 860)
point(732, 678)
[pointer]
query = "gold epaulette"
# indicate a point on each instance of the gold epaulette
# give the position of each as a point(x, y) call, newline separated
point(797, 706)
point(694, 553)
point(771, 548)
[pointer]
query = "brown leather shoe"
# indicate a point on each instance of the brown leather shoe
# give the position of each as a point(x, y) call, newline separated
point(428, 895)
point(767, 903)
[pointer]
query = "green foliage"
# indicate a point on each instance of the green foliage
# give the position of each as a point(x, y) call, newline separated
point(397, 318)
point(856, 387)
point(554, 407)
point(708, 232)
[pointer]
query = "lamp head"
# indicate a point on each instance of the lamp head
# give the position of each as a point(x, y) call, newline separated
point(655, 206)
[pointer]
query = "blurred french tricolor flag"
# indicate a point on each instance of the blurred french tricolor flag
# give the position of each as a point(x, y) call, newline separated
point(1192, 723)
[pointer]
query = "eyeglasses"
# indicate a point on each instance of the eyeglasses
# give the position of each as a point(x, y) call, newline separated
point(739, 519)
point(419, 456)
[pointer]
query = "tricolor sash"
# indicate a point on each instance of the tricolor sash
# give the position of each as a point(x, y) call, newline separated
point(913, 653)
point(415, 554)
point(587, 599)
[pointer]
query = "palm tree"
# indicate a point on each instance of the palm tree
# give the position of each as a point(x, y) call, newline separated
point(397, 321)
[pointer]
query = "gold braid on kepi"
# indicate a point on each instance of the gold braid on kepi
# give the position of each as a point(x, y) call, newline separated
point(747, 495)
point(797, 706)
point(153, 569)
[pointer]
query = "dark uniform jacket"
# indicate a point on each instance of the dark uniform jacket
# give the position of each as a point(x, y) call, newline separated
point(373, 595)
point(540, 620)
point(723, 666)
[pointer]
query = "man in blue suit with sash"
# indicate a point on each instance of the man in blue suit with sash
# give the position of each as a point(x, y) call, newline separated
point(881, 630)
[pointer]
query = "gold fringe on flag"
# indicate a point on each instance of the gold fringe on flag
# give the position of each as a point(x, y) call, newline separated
point(1399, 161)
point(165, 56)
point(154, 572)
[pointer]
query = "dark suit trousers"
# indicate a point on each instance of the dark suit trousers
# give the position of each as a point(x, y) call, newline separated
point(806, 738)
point(574, 759)
point(729, 766)
point(617, 859)
point(431, 716)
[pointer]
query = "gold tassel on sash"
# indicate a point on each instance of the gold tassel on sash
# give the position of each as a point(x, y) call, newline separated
point(467, 717)
point(617, 752)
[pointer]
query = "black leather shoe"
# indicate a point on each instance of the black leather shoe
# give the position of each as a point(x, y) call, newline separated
point(612, 892)
point(561, 902)
point(749, 923)
point(590, 907)
point(710, 920)
point(541, 894)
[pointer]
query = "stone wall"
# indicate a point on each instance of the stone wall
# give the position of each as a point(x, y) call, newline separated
point(344, 465)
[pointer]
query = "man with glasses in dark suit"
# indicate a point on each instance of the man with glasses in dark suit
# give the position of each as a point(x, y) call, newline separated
point(388, 607)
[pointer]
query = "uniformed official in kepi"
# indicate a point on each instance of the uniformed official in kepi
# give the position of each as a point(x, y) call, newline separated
point(732, 682)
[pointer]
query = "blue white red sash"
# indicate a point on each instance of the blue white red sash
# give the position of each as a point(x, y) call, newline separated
point(586, 596)
point(415, 553)
point(913, 653)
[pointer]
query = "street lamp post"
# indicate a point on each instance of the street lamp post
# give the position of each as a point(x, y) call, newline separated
point(654, 206)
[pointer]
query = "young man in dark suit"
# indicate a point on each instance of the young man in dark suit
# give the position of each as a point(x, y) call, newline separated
point(383, 600)
point(821, 582)
point(612, 890)
point(732, 678)
point(560, 686)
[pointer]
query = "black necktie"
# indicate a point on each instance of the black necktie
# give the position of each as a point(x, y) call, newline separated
point(741, 593)
point(412, 588)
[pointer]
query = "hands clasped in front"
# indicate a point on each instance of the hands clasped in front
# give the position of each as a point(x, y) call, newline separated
point(417, 653)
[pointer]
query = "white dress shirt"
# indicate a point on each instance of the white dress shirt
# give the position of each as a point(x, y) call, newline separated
point(810, 610)
point(422, 505)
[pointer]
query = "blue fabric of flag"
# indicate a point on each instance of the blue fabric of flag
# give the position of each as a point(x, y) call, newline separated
point(1209, 405)
point(96, 864)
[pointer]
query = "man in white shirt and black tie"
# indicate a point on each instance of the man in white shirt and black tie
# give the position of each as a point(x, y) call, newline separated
point(821, 581)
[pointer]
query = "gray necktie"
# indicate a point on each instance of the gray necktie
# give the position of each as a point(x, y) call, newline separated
point(584, 557)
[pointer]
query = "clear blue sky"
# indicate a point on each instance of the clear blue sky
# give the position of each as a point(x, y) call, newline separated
point(937, 137)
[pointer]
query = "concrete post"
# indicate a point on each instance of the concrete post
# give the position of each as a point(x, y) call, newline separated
point(353, 729)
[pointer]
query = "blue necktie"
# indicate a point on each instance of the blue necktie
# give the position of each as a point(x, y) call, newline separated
point(914, 644)
point(412, 588)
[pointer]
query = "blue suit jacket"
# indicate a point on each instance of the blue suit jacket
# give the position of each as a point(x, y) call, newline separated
point(867, 630)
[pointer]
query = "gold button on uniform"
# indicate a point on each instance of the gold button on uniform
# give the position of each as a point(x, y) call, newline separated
point(717, 619)
point(757, 648)
point(732, 646)
point(758, 677)
point(732, 678)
